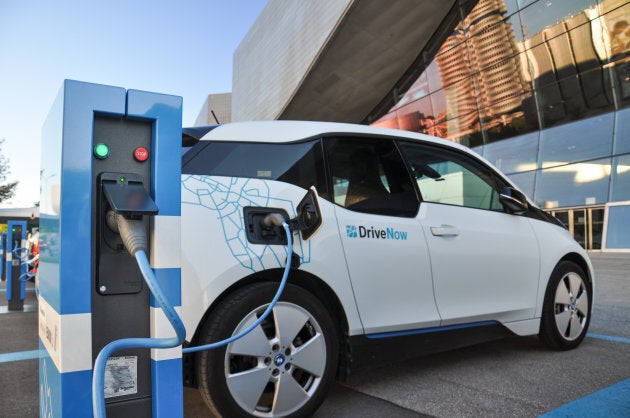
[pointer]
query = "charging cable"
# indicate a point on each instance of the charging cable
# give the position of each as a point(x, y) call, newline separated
point(268, 221)
point(21, 253)
point(133, 235)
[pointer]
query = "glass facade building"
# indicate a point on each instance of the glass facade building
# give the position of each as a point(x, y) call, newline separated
point(540, 88)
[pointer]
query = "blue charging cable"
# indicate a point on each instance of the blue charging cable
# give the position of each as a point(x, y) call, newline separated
point(134, 238)
point(21, 253)
point(98, 378)
point(265, 314)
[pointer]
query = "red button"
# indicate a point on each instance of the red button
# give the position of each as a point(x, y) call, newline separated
point(141, 154)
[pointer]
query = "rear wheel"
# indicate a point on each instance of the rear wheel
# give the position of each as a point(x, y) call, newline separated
point(567, 307)
point(284, 367)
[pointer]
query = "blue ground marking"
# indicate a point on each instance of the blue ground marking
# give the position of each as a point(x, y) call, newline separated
point(28, 289)
point(19, 356)
point(611, 402)
point(609, 338)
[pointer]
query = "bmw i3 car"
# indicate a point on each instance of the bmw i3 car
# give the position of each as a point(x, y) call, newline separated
point(405, 242)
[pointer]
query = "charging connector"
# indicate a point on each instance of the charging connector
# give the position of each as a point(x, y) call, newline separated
point(133, 235)
point(271, 220)
point(131, 231)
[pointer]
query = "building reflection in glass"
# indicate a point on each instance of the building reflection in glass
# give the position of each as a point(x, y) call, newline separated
point(500, 75)
point(541, 88)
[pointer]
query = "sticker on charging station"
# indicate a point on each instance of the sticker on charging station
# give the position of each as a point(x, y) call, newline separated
point(121, 376)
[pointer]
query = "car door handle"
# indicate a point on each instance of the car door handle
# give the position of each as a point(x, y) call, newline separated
point(445, 231)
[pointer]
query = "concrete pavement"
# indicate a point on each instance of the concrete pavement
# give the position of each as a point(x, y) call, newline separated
point(515, 377)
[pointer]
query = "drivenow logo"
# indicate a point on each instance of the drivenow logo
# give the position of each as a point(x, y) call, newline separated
point(361, 231)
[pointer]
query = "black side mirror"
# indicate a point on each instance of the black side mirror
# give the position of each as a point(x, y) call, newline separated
point(309, 215)
point(513, 201)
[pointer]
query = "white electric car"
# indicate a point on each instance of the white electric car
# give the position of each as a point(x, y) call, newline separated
point(405, 244)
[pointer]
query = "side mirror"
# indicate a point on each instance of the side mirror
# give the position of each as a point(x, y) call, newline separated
point(513, 201)
point(309, 215)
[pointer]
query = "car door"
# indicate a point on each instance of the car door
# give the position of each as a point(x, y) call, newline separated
point(385, 248)
point(485, 262)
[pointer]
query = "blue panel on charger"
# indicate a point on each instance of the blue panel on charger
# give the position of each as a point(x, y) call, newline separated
point(65, 211)
point(65, 274)
point(63, 394)
point(2, 253)
point(171, 403)
point(11, 238)
point(166, 111)
point(167, 143)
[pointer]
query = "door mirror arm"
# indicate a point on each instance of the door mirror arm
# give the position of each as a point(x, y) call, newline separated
point(513, 201)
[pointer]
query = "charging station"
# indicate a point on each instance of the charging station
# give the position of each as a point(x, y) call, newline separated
point(105, 149)
point(15, 245)
point(3, 257)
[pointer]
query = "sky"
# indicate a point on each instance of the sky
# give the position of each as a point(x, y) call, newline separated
point(183, 48)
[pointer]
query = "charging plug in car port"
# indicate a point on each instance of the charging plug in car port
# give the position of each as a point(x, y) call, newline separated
point(264, 228)
point(259, 231)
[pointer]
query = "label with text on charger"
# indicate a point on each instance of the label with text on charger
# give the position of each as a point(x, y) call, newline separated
point(121, 376)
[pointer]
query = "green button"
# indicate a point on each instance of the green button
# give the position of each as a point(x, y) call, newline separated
point(101, 151)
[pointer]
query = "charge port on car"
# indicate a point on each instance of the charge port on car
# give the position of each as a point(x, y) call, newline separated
point(259, 234)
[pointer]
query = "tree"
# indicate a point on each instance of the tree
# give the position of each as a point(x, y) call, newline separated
point(6, 190)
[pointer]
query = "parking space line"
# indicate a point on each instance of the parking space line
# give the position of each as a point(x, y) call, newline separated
point(19, 356)
point(609, 338)
point(610, 402)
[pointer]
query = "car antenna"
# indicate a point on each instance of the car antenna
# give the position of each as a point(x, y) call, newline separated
point(215, 117)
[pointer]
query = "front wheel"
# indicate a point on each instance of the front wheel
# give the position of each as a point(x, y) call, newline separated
point(284, 367)
point(566, 308)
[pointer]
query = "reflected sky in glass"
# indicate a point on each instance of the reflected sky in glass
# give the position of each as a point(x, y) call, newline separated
point(620, 180)
point(545, 13)
point(580, 140)
point(525, 182)
point(618, 226)
point(622, 132)
point(574, 184)
point(514, 154)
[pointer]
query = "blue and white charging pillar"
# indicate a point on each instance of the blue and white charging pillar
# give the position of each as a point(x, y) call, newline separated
point(3, 257)
point(16, 244)
point(90, 290)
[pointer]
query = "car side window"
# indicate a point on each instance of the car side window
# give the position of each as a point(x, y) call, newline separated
point(451, 178)
point(368, 175)
point(299, 163)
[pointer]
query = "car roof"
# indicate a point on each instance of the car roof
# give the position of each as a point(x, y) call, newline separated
point(278, 131)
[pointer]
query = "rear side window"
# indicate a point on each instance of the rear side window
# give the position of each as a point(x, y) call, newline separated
point(296, 163)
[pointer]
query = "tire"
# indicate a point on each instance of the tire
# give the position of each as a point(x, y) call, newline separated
point(282, 368)
point(567, 307)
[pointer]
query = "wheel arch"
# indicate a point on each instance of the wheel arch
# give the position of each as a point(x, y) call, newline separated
point(580, 261)
point(305, 280)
